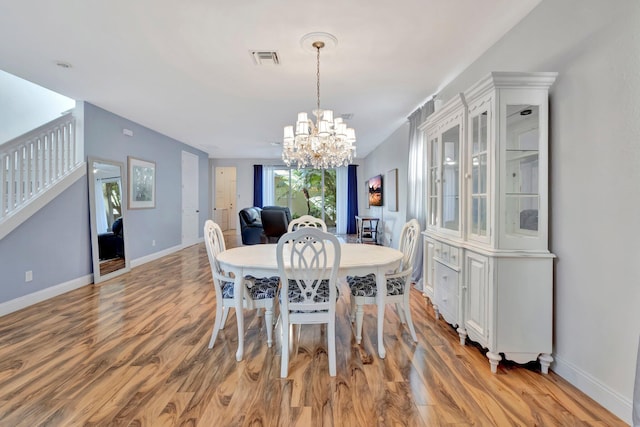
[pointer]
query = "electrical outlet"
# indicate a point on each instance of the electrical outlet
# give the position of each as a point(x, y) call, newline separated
point(28, 276)
point(153, 243)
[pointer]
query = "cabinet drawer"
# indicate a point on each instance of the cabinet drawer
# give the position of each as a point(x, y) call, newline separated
point(445, 253)
point(448, 254)
point(454, 256)
point(441, 251)
point(437, 250)
point(446, 292)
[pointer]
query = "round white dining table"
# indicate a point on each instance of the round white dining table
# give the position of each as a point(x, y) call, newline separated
point(355, 260)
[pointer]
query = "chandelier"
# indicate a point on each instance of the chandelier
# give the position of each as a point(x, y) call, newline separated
point(327, 143)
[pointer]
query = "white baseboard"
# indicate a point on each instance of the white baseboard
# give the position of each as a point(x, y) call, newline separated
point(613, 401)
point(154, 256)
point(39, 296)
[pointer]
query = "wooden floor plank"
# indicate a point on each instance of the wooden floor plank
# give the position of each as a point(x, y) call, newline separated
point(133, 351)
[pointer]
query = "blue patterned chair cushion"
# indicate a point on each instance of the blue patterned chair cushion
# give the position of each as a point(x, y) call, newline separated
point(365, 286)
point(295, 295)
point(227, 290)
point(322, 295)
point(262, 288)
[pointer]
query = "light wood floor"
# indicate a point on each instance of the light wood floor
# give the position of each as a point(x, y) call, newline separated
point(133, 351)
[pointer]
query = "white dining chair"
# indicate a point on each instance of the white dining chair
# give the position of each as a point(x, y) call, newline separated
point(364, 290)
point(307, 221)
point(258, 293)
point(308, 261)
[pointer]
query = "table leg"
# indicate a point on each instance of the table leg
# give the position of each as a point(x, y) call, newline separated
point(381, 288)
point(238, 293)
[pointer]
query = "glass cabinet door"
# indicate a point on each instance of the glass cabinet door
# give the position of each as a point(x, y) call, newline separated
point(451, 178)
point(434, 182)
point(479, 174)
point(522, 196)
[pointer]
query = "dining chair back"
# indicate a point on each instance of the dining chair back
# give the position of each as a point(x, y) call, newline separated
point(308, 261)
point(307, 221)
point(257, 293)
point(408, 245)
point(398, 290)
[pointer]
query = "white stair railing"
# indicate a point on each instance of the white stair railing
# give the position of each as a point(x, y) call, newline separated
point(34, 161)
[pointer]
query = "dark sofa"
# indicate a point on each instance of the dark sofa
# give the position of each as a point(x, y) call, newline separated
point(275, 220)
point(111, 245)
point(251, 226)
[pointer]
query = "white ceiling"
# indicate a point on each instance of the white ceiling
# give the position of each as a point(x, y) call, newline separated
point(183, 68)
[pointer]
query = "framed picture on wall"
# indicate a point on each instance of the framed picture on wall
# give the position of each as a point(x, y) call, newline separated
point(142, 183)
point(374, 186)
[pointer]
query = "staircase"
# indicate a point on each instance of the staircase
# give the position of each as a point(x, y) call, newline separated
point(36, 167)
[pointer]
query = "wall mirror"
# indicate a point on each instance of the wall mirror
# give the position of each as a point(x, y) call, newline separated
point(107, 190)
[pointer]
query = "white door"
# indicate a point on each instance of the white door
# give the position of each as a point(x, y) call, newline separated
point(190, 208)
point(225, 206)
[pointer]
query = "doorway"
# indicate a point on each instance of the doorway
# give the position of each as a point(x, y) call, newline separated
point(190, 206)
point(224, 211)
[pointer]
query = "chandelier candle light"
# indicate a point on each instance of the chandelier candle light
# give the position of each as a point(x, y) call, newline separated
point(328, 143)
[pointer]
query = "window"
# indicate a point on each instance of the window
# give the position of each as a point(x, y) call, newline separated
point(307, 192)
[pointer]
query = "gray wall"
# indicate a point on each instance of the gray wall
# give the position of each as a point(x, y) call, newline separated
point(55, 242)
point(391, 154)
point(104, 138)
point(595, 158)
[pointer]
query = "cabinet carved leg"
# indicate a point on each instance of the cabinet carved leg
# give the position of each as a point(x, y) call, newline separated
point(463, 335)
point(435, 312)
point(545, 361)
point(494, 360)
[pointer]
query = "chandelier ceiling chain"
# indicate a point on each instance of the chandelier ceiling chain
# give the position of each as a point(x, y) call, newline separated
point(318, 46)
point(326, 144)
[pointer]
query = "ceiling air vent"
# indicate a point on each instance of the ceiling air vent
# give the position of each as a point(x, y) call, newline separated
point(346, 116)
point(263, 57)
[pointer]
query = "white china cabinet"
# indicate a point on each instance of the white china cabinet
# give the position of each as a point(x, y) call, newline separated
point(487, 267)
point(443, 132)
